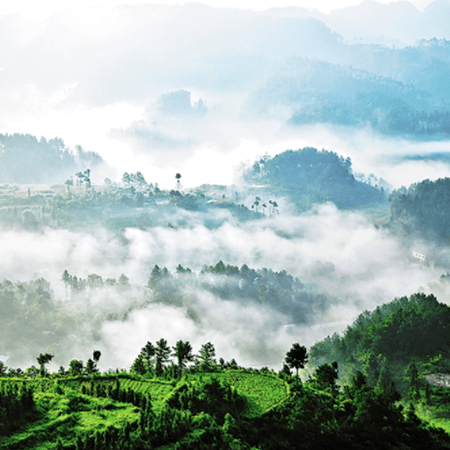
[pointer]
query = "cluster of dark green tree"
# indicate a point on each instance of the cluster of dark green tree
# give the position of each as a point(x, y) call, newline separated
point(395, 343)
point(17, 406)
point(278, 290)
point(25, 159)
point(76, 367)
point(423, 209)
point(195, 415)
point(157, 360)
point(357, 416)
point(310, 176)
point(93, 281)
point(33, 318)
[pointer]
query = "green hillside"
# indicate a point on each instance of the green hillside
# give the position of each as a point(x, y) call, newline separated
point(224, 409)
point(69, 410)
point(383, 384)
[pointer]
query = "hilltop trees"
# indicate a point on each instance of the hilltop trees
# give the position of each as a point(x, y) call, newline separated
point(382, 343)
point(134, 179)
point(76, 367)
point(183, 352)
point(178, 178)
point(91, 364)
point(422, 209)
point(311, 176)
point(154, 359)
point(43, 359)
point(84, 177)
point(205, 357)
point(147, 355)
point(25, 159)
point(162, 356)
point(296, 357)
point(145, 360)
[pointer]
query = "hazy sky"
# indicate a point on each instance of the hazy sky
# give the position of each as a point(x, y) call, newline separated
point(92, 80)
point(46, 6)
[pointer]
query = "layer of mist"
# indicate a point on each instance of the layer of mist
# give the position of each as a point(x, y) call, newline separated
point(336, 254)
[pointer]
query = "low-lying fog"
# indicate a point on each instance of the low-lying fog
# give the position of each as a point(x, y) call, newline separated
point(338, 253)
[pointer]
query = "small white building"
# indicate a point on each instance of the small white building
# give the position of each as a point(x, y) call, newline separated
point(423, 259)
point(420, 256)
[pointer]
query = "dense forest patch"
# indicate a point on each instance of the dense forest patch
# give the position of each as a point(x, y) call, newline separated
point(309, 176)
point(422, 210)
point(27, 160)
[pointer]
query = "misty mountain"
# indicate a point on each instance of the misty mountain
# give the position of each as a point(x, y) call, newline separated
point(159, 90)
point(312, 91)
point(397, 23)
point(310, 176)
point(179, 104)
point(116, 80)
point(233, 48)
point(158, 51)
point(424, 65)
point(422, 210)
point(25, 159)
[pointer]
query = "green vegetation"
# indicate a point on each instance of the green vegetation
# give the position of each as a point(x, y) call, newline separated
point(322, 92)
point(34, 318)
point(79, 205)
point(27, 160)
point(187, 408)
point(383, 384)
point(310, 176)
point(400, 346)
point(422, 210)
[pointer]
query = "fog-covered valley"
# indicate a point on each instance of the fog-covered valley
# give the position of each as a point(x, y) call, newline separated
point(93, 95)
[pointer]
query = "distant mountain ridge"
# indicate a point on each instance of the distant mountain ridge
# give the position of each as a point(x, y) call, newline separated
point(397, 23)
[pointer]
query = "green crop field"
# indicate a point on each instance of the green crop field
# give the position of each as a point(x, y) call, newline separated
point(262, 391)
point(62, 413)
point(67, 407)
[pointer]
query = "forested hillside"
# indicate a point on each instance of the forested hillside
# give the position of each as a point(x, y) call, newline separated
point(63, 324)
point(314, 91)
point(309, 176)
point(422, 210)
point(391, 342)
point(175, 399)
point(27, 160)
point(401, 345)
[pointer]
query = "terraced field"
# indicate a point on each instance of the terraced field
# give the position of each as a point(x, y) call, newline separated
point(69, 407)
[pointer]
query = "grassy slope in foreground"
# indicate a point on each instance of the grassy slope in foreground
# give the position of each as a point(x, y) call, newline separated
point(66, 409)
